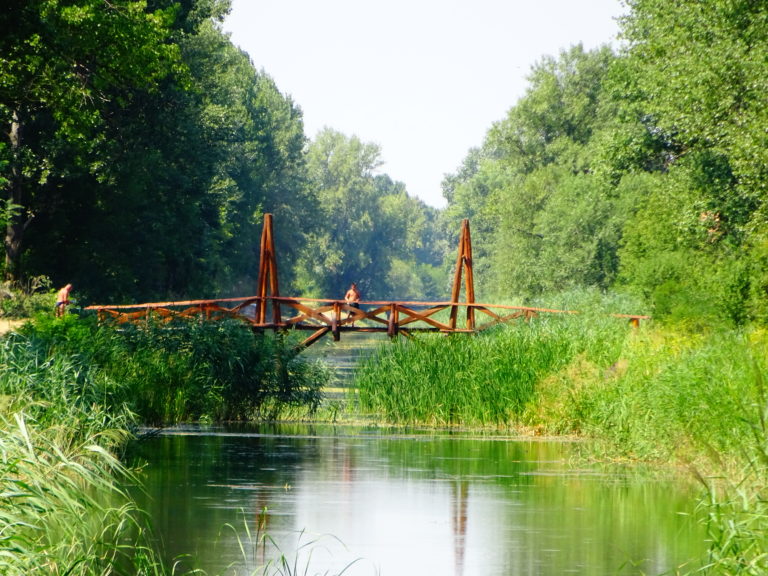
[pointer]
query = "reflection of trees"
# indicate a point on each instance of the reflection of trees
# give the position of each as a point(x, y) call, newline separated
point(529, 510)
point(203, 491)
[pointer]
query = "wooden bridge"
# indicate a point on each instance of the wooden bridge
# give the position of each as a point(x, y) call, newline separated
point(267, 310)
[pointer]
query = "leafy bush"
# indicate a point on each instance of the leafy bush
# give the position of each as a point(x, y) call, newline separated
point(25, 301)
point(188, 370)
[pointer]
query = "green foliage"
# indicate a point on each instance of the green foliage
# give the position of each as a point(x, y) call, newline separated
point(484, 380)
point(33, 298)
point(59, 66)
point(63, 510)
point(640, 170)
point(144, 145)
point(370, 226)
point(188, 371)
point(758, 278)
point(700, 70)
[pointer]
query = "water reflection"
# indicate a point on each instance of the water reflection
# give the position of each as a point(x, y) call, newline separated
point(405, 504)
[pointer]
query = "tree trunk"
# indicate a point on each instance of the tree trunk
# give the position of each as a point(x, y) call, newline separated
point(17, 218)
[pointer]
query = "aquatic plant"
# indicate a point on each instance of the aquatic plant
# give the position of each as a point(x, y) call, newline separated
point(189, 370)
point(62, 510)
point(63, 420)
point(264, 556)
point(487, 379)
point(735, 504)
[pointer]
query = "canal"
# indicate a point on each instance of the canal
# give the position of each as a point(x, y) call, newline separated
point(368, 500)
point(401, 503)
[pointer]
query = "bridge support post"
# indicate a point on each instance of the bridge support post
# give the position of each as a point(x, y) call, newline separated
point(463, 266)
point(393, 322)
point(335, 321)
point(267, 287)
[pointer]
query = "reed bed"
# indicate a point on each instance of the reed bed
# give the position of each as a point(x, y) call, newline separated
point(62, 509)
point(69, 394)
point(483, 380)
point(695, 399)
point(189, 371)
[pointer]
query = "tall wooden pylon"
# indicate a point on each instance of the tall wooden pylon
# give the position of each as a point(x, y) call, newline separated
point(464, 266)
point(267, 284)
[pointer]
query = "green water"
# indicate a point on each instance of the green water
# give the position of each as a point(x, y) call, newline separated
point(402, 504)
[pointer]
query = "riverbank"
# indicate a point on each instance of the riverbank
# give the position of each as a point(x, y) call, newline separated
point(63, 510)
point(675, 398)
point(70, 395)
point(9, 325)
point(657, 395)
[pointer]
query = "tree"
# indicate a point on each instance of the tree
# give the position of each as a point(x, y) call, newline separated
point(701, 72)
point(58, 66)
point(698, 73)
point(369, 227)
point(531, 191)
point(166, 198)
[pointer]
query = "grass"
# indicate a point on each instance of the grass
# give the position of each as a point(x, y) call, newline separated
point(485, 380)
point(257, 548)
point(62, 510)
point(70, 391)
point(190, 371)
point(694, 399)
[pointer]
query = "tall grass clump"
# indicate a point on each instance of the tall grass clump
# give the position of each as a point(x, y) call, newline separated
point(671, 396)
point(62, 509)
point(484, 380)
point(190, 370)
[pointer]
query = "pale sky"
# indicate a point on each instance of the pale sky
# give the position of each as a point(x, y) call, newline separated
point(423, 79)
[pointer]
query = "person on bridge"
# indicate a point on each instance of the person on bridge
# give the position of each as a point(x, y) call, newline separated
point(62, 300)
point(352, 298)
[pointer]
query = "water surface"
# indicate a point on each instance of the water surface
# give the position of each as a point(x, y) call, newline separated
point(401, 504)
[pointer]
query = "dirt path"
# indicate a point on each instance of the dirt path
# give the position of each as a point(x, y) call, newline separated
point(7, 325)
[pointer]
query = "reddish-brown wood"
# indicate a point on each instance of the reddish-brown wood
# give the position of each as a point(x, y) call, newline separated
point(267, 284)
point(463, 267)
point(322, 316)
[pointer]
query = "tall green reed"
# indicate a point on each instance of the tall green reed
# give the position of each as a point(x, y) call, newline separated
point(65, 412)
point(682, 396)
point(735, 502)
point(261, 555)
point(693, 399)
point(189, 370)
point(62, 510)
point(482, 380)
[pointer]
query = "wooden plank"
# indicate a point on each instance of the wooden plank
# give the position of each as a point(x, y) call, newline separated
point(313, 338)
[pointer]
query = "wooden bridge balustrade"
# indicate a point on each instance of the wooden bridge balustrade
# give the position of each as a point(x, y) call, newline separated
point(323, 316)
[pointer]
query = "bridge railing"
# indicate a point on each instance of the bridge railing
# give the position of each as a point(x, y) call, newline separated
point(324, 316)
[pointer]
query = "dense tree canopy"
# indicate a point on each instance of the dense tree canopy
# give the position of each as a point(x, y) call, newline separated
point(641, 171)
point(59, 66)
point(370, 227)
point(141, 150)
